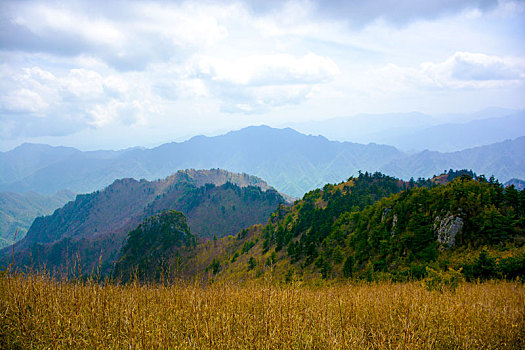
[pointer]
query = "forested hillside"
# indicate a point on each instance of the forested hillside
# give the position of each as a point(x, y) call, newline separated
point(378, 227)
point(18, 210)
point(91, 228)
point(400, 235)
point(153, 247)
point(372, 226)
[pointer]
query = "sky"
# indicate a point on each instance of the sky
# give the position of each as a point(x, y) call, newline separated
point(118, 74)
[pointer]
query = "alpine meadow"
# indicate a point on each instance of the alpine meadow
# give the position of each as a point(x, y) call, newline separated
point(249, 174)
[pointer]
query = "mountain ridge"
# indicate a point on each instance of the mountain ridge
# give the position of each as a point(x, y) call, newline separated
point(372, 227)
point(18, 210)
point(452, 137)
point(289, 161)
point(96, 223)
point(292, 162)
point(415, 131)
point(503, 159)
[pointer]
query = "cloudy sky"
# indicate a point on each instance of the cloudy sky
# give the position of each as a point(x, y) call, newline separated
point(115, 74)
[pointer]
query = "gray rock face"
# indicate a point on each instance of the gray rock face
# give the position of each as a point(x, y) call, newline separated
point(394, 223)
point(385, 213)
point(447, 228)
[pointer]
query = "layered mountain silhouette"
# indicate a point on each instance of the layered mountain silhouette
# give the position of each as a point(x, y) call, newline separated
point(291, 162)
point(454, 136)
point(91, 228)
point(504, 160)
point(418, 131)
point(18, 210)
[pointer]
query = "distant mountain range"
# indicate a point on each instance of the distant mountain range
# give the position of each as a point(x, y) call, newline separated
point(17, 211)
point(91, 228)
point(505, 160)
point(517, 183)
point(452, 137)
point(417, 131)
point(291, 162)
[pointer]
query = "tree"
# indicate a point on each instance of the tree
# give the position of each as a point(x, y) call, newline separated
point(215, 266)
point(251, 263)
point(348, 266)
point(337, 255)
point(484, 266)
point(326, 269)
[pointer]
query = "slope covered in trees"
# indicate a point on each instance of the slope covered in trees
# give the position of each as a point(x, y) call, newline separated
point(150, 247)
point(91, 229)
point(375, 227)
point(370, 227)
point(18, 210)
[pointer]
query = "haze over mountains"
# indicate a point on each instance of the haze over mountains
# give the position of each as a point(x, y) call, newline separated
point(292, 162)
point(216, 202)
point(18, 210)
point(504, 160)
point(455, 136)
point(418, 131)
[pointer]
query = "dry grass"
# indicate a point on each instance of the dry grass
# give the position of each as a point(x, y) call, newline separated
point(37, 312)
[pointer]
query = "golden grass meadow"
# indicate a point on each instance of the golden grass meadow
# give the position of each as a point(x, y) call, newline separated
point(37, 312)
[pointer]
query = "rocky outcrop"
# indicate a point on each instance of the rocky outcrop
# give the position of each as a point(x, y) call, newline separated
point(447, 228)
point(385, 213)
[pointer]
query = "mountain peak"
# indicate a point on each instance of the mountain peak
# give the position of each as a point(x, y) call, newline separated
point(217, 177)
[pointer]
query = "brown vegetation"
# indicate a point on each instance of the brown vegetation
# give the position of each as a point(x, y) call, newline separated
point(38, 312)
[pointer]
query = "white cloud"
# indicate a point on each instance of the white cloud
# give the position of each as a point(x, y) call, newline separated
point(126, 35)
point(276, 69)
point(188, 25)
point(459, 71)
point(116, 84)
point(104, 114)
point(28, 89)
point(249, 100)
point(83, 84)
point(77, 98)
point(91, 65)
point(361, 13)
point(476, 68)
point(47, 21)
point(252, 84)
point(24, 100)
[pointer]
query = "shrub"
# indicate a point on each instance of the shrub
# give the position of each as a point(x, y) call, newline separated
point(441, 281)
point(251, 263)
point(348, 266)
point(215, 266)
point(512, 267)
point(483, 268)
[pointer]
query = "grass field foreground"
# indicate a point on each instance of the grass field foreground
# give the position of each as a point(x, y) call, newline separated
point(39, 312)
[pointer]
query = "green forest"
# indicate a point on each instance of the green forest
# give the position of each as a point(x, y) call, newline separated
point(371, 227)
point(401, 234)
